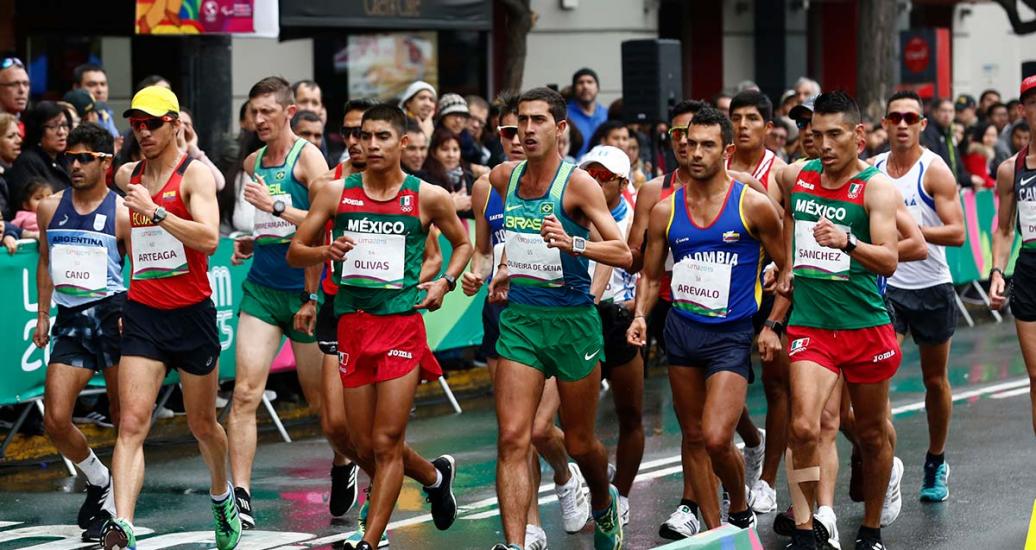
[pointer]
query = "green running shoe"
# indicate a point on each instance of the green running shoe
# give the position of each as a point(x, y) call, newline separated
point(353, 540)
point(608, 527)
point(117, 534)
point(934, 488)
point(228, 523)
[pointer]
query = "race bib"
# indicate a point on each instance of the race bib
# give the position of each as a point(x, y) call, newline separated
point(79, 270)
point(1027, 221)
point(531, 262)
point(376, 261)
point(701, 287)
point(815, 261)
point(669, 263)
point(157, 254)
point(270, 229)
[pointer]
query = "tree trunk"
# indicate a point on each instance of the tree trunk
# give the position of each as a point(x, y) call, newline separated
point(875, 55)
point(518, 23)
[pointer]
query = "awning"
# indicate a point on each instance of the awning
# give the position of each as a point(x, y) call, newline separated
point(388, 14)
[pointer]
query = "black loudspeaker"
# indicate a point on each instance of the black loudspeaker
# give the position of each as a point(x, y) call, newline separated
point(1028, 69)
point(652, 80)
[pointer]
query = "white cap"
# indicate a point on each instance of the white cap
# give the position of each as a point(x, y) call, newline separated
point(413, 89)
point(614, 159)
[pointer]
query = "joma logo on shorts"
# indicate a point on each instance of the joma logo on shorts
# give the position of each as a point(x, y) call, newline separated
point(400, 353)
point(884, 356)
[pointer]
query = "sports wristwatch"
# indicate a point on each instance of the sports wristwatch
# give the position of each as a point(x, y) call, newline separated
point(776, 326)
point(451, 281)
point(278, 208)
point(578, 245)
point(850, 243)
point(159, 215)
point(306, 297)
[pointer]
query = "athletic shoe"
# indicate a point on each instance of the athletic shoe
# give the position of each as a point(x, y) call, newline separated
point(228, 523)
point(934, 488)
point(856, 476)
point(352, 542)
point(93, 531)
point(535, 538)
point(608, 527)
point(575, 506)
point(611, 472)
point(501, 546)
point(361, 523)
point(825, 527)
point(95, 418)
point(364, 545)
point(762, 498)
point(444, 504)
point(244, 508)
point(754, 460)
point(742, 520)
point(343, 489)
point(682, 524)
point(117, 534)
point(800, 542)
point(624, 510)
point(893, 499)
point(784, 523)
point(97, 497)
point(724, 507)
point(869, 544)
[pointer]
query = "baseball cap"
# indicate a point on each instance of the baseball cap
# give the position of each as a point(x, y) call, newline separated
point(452, 104)
point(1028, 86)
point(81, 100)
point(803, 110)
point(614, 159)
point(154, 101)
point(964, 101)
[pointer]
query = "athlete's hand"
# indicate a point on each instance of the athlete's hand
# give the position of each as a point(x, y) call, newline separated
point(500, 285)
point(461, 201)
point(636, 335)
point(828, 235)
point(470, 283)
point(770, 279)
point(554, 234)
point(42, 335)
point(436, 292)
point(785, 282)
point(339, 247)
point(769, 344)
point(258, 195)
point(139, 200)
point(244, 247)
point(997, 294)
point(305, 319)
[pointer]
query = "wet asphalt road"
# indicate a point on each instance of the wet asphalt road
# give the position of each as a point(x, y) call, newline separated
point(991, 452)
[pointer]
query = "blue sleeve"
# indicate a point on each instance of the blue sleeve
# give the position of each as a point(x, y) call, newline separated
point(12, 230)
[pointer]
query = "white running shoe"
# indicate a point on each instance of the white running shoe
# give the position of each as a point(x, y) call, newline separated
point(724, 507)
point(826, 516)
point(681, 524)
point(762, 498)
point(754, 460)
point(624, 510)
point(893, 499)
point(575, 506)
point(535, 538)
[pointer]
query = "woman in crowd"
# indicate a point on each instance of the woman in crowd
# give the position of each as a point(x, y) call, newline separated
point(445, 168)
point(418, 102)
point(980, 154)
point(46, 135)
point(10, 148)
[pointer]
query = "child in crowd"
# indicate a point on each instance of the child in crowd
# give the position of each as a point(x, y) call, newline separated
point(25, 219)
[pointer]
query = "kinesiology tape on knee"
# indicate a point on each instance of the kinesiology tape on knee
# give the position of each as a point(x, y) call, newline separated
point(802, 509)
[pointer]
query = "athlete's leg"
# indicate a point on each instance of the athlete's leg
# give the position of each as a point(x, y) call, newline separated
point(578, 415)
point(811, 386)
point(829, 422)
point(628, 393)
point(111, 386)
point(688, 387)
point(1027, 341)
point(747, 429)
point(333, 420)
point(723, 391)
point(535, 475)
point(547, 438)
point(140, 379)
point(870, 405)
point(257, 344)
point(938, 398)
point(775, 386)
point(518, 390)
point(199, 401)
point(393, 399)
point(62, 387)
point(308, 365)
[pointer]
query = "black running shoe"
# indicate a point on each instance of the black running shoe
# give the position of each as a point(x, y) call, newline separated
point(244, 508)
point(856, 476)
point(94, 503)
point(444, 504)
point(784, 523)
point(801, 541)
point(96, 527)
point(869, 544)
point(343, 489)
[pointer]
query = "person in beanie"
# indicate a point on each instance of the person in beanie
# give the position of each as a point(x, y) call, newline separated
point(453, 115)
point(418, 102)
point(583, 109)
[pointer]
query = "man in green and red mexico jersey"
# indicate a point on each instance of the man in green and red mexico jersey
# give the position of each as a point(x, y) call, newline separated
point(381, 221)
point(840, 236)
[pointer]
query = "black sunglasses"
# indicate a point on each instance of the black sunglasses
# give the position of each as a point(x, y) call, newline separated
point(897, 117)
point(507, 132)
point(801, 123)
point(86, 158)
point(151, 123)
point(350, 131)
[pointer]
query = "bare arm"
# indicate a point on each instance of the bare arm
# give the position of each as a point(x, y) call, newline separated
point(602, 273)
point(911, 246)
point(940, 184)
point(881, 255)
point(438, 205)
point(44, 284)
point(1003, 237)
point(584, 194)
point(199, 195)
point(307, 247)
point(432, 262)
point(654, 269)
point(647, 197)
point(482, 259)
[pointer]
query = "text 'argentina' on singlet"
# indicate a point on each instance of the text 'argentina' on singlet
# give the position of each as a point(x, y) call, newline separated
point(716, 277)
point(273, 234)
point(166, 274)
point(494, 215)
point(379, 275)
point(540, 275)
point(327, 278)
point(831, 290)
point(933, 270)
point(85, 261)
point(1025, 195)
